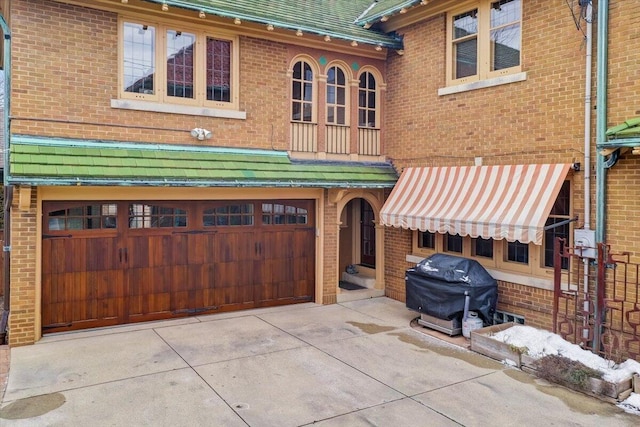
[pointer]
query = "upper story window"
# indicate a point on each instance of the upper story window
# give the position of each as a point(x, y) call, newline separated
point(483, 40)
point(167, 64)
point(336, 96)
point(302, 92)
point(367, 101)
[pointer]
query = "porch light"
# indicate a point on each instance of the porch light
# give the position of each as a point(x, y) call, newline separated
point(269, 27)
point(237, 21)
point(299, 33)
point(202, 15)
point(354, 43)
point(327, 38)
point(165, 6)
point(124, 1)
point(201, 134)
point(384, 18)
point(378, 48)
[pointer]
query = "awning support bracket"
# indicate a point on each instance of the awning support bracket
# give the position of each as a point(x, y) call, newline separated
point(558, 224)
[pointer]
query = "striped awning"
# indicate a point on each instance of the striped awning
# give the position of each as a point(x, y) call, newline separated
point(498, 202)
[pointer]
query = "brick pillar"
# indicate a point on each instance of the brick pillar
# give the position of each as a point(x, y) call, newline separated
point(23, 303)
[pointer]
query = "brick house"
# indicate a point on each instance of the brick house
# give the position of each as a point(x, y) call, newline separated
point(198, 157)
point(176, 158)
point(491, 89)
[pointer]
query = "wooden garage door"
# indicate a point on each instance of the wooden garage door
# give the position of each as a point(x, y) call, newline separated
point(108, 263)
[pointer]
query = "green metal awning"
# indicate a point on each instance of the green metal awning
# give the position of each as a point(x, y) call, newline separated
point(625, 135)
point(57, 161)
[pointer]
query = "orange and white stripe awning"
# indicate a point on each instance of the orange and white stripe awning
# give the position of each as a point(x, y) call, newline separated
point(498, 202)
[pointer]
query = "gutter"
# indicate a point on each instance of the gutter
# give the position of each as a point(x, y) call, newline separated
point(8, 190)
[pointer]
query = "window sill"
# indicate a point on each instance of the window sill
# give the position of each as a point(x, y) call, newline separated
point(131, 104)
point(481, 84)
point(505, 276)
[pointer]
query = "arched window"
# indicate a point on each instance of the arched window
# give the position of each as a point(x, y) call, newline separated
point(367, 101)
point(302, 92)
point(336, 96)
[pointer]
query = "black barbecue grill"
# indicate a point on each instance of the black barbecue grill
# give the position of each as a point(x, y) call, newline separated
point(437, 287)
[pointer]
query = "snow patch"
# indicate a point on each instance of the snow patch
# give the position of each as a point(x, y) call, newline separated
point(540, 343)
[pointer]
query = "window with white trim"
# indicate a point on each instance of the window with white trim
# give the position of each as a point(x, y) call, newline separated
point(336, 96)
point(484, 40)
point(302, 92)
point(367, 101)
point(169, 64)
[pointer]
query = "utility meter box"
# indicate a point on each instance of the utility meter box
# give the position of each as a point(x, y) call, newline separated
point(584, 242)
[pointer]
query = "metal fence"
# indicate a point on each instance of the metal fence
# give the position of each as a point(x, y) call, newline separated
point(597, 300)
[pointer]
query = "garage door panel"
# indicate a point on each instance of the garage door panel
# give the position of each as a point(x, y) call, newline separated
point(165, 261)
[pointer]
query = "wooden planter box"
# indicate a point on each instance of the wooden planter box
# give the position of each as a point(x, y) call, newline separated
point(481, 342)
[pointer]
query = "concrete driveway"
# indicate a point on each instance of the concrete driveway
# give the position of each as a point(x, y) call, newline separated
point(351, 364)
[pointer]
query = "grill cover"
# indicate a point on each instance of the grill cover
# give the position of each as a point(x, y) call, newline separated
point(437, 284)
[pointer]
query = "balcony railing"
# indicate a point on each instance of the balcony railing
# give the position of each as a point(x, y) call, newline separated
point(369, 141)
point(304, 137)
point(337, 139)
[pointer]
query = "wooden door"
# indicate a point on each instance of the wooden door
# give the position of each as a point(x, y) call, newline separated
point(368, 235)
point(287, 253)
point(83, 282)
point(108, 263)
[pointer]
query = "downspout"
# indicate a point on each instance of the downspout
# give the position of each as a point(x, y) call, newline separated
point(587, 116)
point(601, 129)
point(587, 152)
point(8, 191)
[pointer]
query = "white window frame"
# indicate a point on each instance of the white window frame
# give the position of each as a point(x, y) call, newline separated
point(198, 104)
point(483, 37)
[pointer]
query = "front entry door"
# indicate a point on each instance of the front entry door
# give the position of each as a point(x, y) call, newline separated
point(368, 233)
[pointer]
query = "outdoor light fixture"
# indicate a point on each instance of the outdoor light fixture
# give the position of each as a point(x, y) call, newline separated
point(237, 21)
point(202, 15)
point(165, 6)
point(327, 38)
point(299, 33)
point(378, 48)
point(270, 27)
point(201, 134)
point(354, 43)
point(384, 18)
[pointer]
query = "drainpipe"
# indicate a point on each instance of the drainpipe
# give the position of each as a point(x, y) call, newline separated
point(601, 129)
point(8, 191)
point(587, 117)
point(587, 153)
